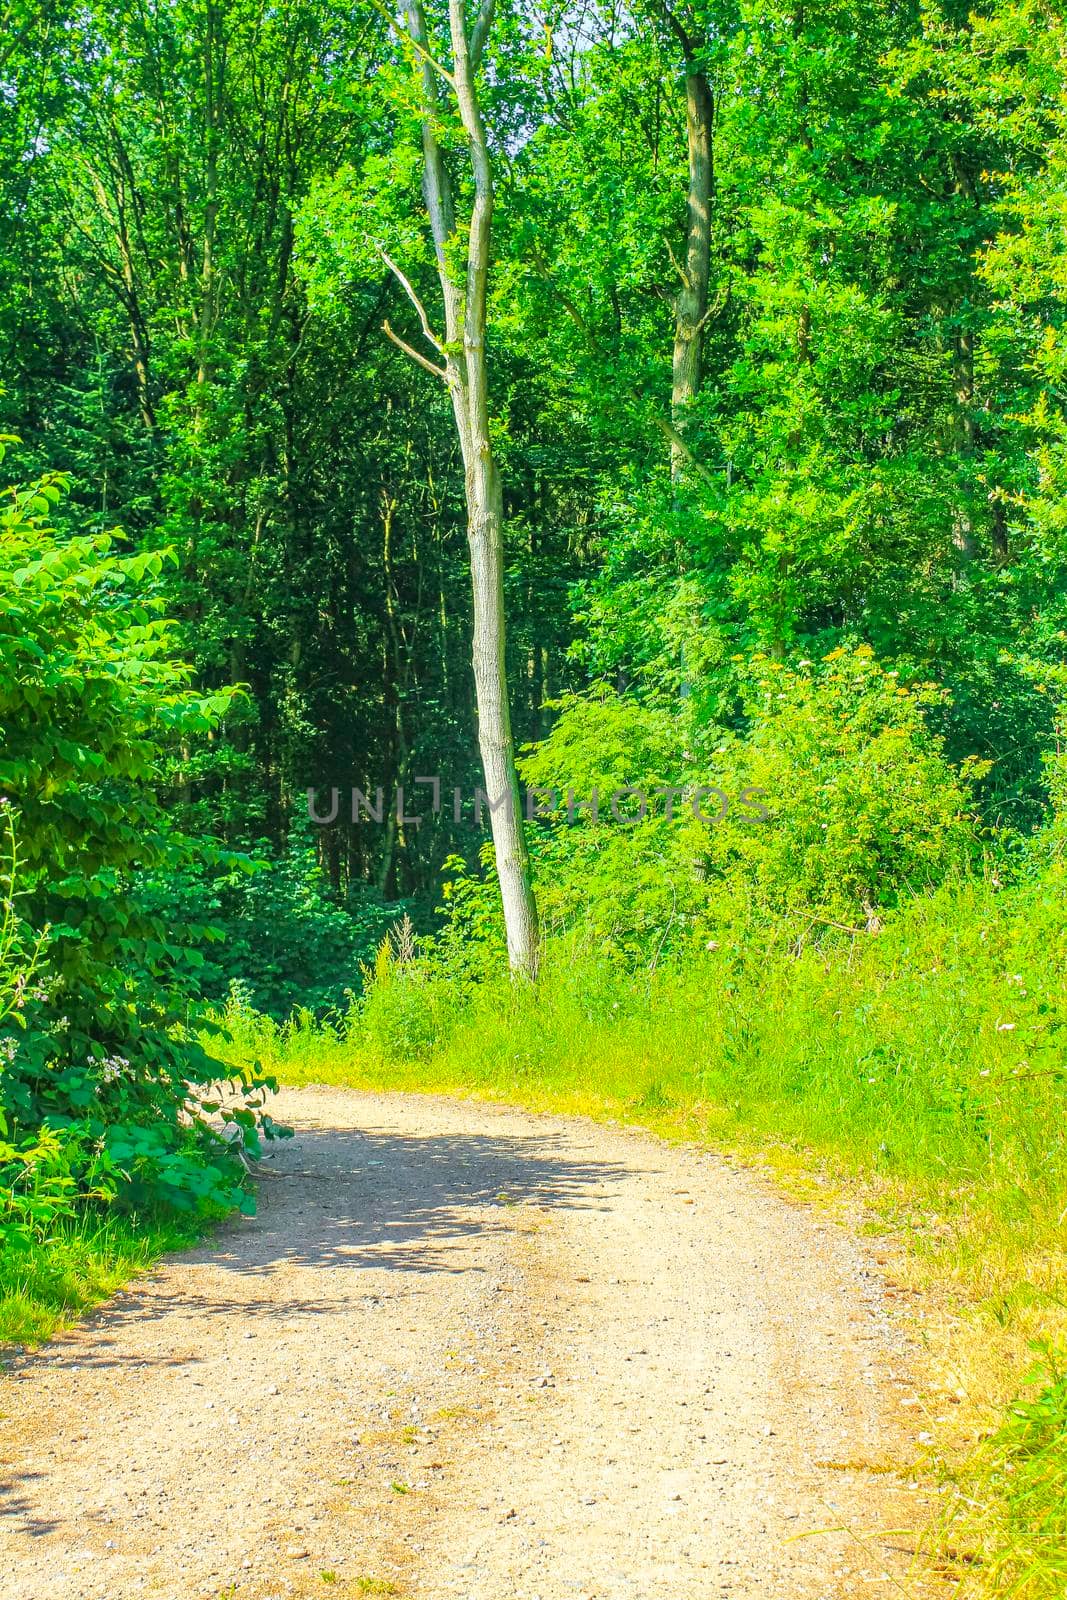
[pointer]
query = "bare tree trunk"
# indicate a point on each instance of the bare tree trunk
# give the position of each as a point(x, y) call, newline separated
point(963, 381)
point(691, 303)
point(484, 530)
point(464, 369)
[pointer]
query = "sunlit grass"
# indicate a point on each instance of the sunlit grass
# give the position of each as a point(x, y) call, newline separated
point(47, 1284)
point(916, 1080)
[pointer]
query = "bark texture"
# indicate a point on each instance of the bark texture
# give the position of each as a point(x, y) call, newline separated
point(691, 303)
point(463, 366)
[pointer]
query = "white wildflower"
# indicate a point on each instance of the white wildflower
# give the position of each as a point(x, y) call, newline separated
point(112, 1067)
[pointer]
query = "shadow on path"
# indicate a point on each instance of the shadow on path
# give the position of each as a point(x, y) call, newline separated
point(343, 1201)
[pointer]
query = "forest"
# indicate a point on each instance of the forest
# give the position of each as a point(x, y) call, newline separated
point(534, 562)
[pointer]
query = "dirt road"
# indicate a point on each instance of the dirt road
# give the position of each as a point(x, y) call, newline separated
point(467, 1352)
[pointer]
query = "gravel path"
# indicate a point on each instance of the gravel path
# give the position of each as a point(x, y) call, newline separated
point(468, 1352)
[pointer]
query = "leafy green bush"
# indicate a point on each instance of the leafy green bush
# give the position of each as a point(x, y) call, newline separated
point(273, 924)
point(863, 808)
point(104, 1071)
point(605, 742)
point(35, 1181)
point(833, 805)
point(629, 881)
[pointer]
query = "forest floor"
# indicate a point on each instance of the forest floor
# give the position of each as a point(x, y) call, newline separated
point(464, 1351)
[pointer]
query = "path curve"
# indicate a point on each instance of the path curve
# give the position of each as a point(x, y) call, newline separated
point(467, 1353)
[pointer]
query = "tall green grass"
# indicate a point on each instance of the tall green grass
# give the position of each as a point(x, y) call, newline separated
point(922, 1068)
point(927, 1060)
point(47, 1283)
point(1015, 1515)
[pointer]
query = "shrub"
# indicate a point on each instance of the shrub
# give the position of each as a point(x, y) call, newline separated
point(834, 805)
point(631, 883)
point(863, 808)
point(103, 1050)
point(275, 926)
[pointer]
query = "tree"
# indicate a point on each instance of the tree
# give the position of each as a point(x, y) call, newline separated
point(464, 369)
point(691, 302)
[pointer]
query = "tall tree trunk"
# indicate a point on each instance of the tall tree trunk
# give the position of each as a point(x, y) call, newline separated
point(465, 371)
point(964, 433)
point(206, 317)
point(963, 382)
point(691, 303)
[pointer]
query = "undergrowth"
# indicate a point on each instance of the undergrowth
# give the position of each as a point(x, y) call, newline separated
point(920, 1071)
point(49, 1281)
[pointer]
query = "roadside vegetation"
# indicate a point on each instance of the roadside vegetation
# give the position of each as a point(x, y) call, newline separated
point(109, 1146)
point(696, 372)
point(776, 989)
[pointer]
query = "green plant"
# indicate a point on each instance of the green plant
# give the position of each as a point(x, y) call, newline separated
point(1011, 1511)
point(862, 807)
point(104, 1069)
point(48, 1279)
point(833, 803)
point(407, 1000)
point(276, 926)
point(36, 1182)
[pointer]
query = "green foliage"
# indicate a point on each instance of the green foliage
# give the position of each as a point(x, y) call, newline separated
point(863, 808)
point(401, 1015)
point(850, 594)
point(835, 804)
point(628, 881)
point(1013, 1513)
point(273, 924)
point(877, 445)
point(101, 1064)
point(603, 742)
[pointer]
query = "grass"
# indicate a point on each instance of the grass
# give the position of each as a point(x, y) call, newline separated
point(917, 1078)
point(1017, 1501)
point(48, 1284)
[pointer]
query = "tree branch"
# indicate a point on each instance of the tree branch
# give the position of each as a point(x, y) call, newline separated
point(685, 39)
point(576, 316)
point(416, 355)
point(416, 44)
point(406, 285)
point(671, 433)
point(677, 265)
point(480, 32)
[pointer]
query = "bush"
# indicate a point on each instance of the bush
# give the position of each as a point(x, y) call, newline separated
point(630, 883)
point(834, 805)
point(103, 1065)
point(863, 808)
point(273, 924)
